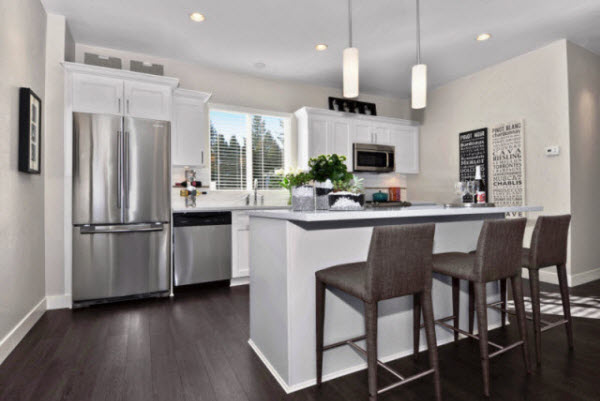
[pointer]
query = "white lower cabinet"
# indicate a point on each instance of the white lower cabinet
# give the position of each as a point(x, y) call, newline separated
point(240, 244)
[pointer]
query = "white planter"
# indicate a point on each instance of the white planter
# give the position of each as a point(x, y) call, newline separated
point(303, 198)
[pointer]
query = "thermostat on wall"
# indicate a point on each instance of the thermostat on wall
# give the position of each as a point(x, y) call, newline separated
point(552, 150)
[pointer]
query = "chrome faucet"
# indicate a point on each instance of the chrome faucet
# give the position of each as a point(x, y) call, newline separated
point(256, 194)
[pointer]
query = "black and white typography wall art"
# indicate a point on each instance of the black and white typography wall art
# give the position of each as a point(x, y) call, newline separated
point(508, 166)
point(473, 152)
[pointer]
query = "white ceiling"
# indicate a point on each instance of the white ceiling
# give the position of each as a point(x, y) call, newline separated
point(282, 34)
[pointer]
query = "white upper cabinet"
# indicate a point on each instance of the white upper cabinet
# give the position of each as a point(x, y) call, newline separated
point(109, 91)
point(406, 141)
point(97, 94)
point(189, 130)
point(325, 132)
point(146, 100)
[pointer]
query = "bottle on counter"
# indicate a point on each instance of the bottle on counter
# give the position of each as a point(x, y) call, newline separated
point(481, 194)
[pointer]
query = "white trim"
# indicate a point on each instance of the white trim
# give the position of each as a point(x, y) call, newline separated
point(14, 337)
point(63, 301)
point(120, 74)
point(234, 282)
point(363, 117)
point(343, 372)
point(584, 277)
point(190, 94)
point(546, 275)
point(549, 276)
point(248, 110)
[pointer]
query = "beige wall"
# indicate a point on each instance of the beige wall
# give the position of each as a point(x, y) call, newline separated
point(533, 87)
point(22, 48)
point(584, 110)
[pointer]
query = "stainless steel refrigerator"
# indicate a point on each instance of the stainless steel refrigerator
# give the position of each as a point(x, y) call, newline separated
point(121, 207)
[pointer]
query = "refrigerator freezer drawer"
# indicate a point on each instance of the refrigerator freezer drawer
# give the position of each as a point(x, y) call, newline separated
point(120, 260)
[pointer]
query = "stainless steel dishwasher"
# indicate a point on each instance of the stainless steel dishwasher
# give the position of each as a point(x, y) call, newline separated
point(202, 247)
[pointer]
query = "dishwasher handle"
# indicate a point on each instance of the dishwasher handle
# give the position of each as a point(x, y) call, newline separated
point(201, 219)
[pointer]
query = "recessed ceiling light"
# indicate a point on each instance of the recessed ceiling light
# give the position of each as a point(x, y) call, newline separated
point(483, 36)
point(259, 65)
point(197, 17)
point(320, 47)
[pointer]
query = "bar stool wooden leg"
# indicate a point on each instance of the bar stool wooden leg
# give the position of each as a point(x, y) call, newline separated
point(503, 300)
point(564, 294)
point(534, 286)
point(416, 325)
point(371, 329)
point(481, 308)
point(455, 304)
point(471, 307)
point(320, 313)
point(431, 341)
point(517, 289)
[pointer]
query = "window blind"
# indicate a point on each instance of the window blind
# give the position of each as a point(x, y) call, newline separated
point(230, 135)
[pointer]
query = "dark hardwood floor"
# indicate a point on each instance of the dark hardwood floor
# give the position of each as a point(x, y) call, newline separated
point(194, 347)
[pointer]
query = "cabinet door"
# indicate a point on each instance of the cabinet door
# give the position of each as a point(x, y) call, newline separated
point(381, 135)
point(317, 141)
point(406, 140)
point(100, 95)
point(145, 100)
point(339, 139)
point(363, 132)
point(189, 136)
point(240, 244)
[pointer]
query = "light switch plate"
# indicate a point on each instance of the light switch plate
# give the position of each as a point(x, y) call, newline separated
point(552, 150)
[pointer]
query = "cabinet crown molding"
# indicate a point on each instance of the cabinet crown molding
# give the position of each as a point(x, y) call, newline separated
point(187, 93)
point(311, 111)
point(120, 74)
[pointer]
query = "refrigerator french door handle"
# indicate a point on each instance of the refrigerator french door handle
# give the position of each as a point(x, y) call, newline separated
point(119, 168)
point(126, 169)
point(127, 228)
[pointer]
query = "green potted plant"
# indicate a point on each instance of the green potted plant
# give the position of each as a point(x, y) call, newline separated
point(297, 182)
point(326, 169)
point(348, 194)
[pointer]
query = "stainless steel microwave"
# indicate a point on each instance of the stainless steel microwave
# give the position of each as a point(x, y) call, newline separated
point(370, 157)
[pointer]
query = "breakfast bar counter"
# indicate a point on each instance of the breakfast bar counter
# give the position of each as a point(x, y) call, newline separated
point(287, 248)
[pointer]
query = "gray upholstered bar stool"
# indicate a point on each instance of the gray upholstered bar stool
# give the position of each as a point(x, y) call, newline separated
point(498, 256)
point(398, 264)
point(548, 248)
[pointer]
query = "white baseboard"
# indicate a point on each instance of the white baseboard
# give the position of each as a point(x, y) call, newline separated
point(546, 275)
point(549, 276)
point(59, 302)
point(12, 339)
point(239, 281)
point(334, 375)
point(585, 277)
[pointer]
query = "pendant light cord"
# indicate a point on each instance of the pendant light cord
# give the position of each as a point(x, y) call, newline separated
point(350, 22)
point(418, 35)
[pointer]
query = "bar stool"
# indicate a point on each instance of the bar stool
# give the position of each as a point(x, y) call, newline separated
point(498, 256)
point(398, 264)
point(548, 248)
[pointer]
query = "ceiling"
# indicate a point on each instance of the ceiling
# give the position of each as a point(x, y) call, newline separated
point(237, 34)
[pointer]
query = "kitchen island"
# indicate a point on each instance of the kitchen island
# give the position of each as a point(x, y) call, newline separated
point(287, 248)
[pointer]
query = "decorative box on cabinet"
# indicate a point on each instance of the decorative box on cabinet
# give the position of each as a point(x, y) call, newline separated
point(189, 130)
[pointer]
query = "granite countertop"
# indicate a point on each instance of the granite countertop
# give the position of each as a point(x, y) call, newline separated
point(387, 213)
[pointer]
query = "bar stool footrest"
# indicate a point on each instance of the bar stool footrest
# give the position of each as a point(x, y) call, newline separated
point(547, 325)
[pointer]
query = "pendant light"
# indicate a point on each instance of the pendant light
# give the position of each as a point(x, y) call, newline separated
point(350, 62)
point(419, 73)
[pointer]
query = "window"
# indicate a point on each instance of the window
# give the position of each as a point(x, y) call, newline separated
point(245, 147)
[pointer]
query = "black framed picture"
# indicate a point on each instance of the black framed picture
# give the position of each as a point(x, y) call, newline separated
point(30, 131)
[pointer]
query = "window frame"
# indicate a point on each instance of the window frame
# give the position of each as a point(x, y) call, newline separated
point(249, 112)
